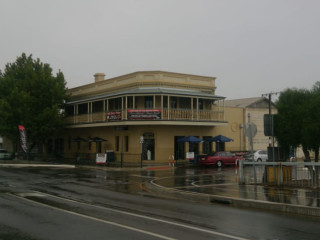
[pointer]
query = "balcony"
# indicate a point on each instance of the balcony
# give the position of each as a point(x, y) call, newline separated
point(156, 116)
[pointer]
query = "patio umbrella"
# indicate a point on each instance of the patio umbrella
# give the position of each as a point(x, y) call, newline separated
point(220, 138)
point(96, 139)
point(190, 139)
point(98, 142)
point(79, 139)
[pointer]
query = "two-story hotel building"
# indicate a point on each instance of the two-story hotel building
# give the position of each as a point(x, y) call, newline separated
point(142, 115)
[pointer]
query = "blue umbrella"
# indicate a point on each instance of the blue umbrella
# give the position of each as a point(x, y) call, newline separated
point(190, 139)
point(220, 138)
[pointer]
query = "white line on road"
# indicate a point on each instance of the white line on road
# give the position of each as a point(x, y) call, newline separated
point(156, 219)
point(18, 165)
point(97, 219)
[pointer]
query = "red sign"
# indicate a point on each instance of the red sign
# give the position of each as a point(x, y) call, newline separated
point(23, 138)
point(113, 116)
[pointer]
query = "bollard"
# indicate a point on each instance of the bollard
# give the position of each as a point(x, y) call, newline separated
point(241, 177)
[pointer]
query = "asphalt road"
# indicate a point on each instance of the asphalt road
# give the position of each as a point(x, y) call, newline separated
point(51, 203)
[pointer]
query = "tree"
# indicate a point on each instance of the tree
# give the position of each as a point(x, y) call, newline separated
point(31, 96)
point(311, 129)
point(298, 121)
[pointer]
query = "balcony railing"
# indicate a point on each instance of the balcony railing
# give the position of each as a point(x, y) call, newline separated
point(148, 115)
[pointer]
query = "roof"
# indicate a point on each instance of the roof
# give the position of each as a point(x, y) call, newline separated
point(255, 102)
point(152, 90)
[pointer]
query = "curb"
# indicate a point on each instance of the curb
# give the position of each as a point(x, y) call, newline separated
point(20, 165)
point(235, 202)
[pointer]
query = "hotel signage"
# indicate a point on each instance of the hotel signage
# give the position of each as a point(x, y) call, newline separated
point(144, 114)
point(113, 116)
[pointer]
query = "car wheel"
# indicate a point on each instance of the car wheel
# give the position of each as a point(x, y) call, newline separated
point(259, 160)
point(219, 164)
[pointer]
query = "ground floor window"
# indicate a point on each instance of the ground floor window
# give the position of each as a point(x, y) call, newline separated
point(206, 146)
point(220, 146)
point(122, 143)
point(117, 143)
point(126, 144)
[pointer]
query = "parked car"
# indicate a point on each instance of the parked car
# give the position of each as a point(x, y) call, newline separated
point(260, 155)
point(248, 156)
point(4, 154)
point(257, 156)
point(219, 159)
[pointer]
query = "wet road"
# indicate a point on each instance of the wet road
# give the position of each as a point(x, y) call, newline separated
point(50, 203)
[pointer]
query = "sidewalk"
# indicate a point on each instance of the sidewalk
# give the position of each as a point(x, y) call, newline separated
point(285, 199)
point(305, 201)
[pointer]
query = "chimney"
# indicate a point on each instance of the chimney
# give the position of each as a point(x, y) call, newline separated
point(98, 77)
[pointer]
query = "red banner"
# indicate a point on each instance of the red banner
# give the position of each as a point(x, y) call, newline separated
point(113, 116)
point(23, 138)
point(144, 114)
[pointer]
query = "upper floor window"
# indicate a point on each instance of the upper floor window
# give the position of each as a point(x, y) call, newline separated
point(130, 102)
point(115, 104)
point(174, 102)
point(83, 108)
point(97, 106)
point(200, 104)
point(69, 110)
point(185, 103)
point(165, 101)
point(148, 102)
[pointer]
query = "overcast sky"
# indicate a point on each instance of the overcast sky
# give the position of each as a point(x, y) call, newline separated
point(251, 46)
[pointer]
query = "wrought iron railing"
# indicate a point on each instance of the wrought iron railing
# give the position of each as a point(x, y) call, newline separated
point(148, 114)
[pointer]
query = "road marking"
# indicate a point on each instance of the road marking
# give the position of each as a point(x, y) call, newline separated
point(21, 165)
point(140, 176)
point(150, 218)
point(211, 185)
point(97, 219)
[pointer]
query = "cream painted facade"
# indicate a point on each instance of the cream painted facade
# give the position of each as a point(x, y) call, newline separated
point(160, 106)
point(237, 114)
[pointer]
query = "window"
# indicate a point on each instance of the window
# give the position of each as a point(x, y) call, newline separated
point(97, 106)
point(83, 108)
point(185, 103)
point(148, 102)
point(165, 101)
point(117, 143)
point(126, 144)
point(201, 104)
point(206, 146)
point(173, 102)
point(114, 104)
point(130, 102)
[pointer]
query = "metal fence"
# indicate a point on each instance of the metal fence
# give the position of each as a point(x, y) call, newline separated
point(297, 174)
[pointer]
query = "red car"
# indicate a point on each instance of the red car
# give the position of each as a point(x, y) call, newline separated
point(220, 158)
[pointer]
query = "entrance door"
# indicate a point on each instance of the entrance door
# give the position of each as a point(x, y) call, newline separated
point(148, 146)
point(179, 149)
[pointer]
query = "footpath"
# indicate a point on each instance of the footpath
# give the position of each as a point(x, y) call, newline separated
point(303, 201)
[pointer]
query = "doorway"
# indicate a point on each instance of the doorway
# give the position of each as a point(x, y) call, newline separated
point(148, 146)
point(179, 149)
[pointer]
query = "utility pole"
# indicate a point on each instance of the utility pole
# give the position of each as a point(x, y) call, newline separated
point(271, 138)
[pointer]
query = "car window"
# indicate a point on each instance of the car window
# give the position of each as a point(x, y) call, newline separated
point(263, 152)
point(213, 154)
